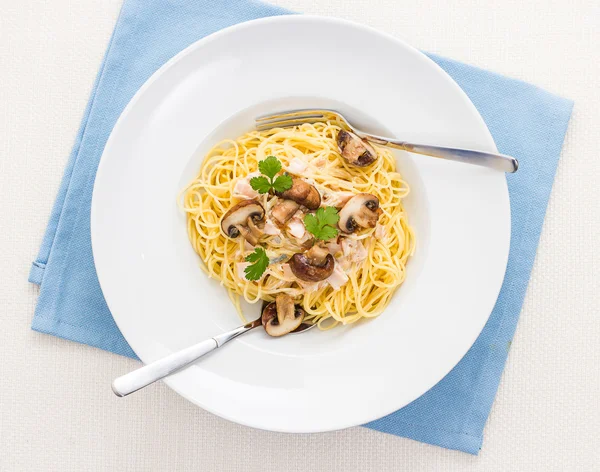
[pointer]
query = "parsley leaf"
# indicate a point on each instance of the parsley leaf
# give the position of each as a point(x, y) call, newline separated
point(311, 223)
point(328, 232)
point(260, 262)
point(322, 224)
point(269, 167)
point(328, 215)
point(260, 184)
point(282, 183)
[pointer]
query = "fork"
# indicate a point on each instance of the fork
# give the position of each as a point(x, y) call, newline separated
point(157, 370)
point(290, 118)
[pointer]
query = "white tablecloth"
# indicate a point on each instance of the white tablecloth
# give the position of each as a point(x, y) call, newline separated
point(57, 411)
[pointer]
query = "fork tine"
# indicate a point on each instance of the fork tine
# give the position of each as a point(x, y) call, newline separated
point(292, 114)
point(262, 126)
point(291, 118)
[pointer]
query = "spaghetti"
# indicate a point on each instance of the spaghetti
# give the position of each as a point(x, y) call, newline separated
point(370, 263)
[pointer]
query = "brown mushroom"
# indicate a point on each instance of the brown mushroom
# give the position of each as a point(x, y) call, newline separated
point(317, 255)
point(314, 265)
point(284, 210)
point(248, 235)
point(308, 243)
point(282, 316)
point(255, 230)
point(242, 219)
point(362, 211)
point(303, 193)
point(355, 150)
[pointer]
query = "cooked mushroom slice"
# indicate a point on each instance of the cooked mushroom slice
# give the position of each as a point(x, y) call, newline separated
point(362, 210)
point(269, 312)
point(312, 266)
point(281, 316)
point(284, 210)
point(252, 233)
point(247, 234)
point(309, 242)
point(317, 255)
point(303, 193)
point(285, 307)
point(242, 219)
point(355, 150)
point(255, 230)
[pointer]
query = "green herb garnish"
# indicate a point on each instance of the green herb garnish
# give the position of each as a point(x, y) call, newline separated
point(260, 262)
point(322, 224)
point(269, 167)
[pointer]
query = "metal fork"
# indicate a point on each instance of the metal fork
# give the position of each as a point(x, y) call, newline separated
point(157, 370)
point(290, 118)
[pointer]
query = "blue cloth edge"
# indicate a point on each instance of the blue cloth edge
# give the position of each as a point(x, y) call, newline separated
point(485, 398)
point(455, 440)
point(84, 335)
point(36, 273)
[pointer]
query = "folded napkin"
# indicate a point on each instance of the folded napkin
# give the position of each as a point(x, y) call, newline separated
point(526, 122)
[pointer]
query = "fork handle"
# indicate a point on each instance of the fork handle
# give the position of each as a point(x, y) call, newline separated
point(150, 373)
point(500, 162)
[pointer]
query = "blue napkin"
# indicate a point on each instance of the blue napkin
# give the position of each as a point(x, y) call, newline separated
point(526, 122)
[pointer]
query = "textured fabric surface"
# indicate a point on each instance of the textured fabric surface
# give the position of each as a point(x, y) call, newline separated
point(544, 418)
point(525, 121)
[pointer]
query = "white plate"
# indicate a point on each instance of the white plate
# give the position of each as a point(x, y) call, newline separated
point(163, 302)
